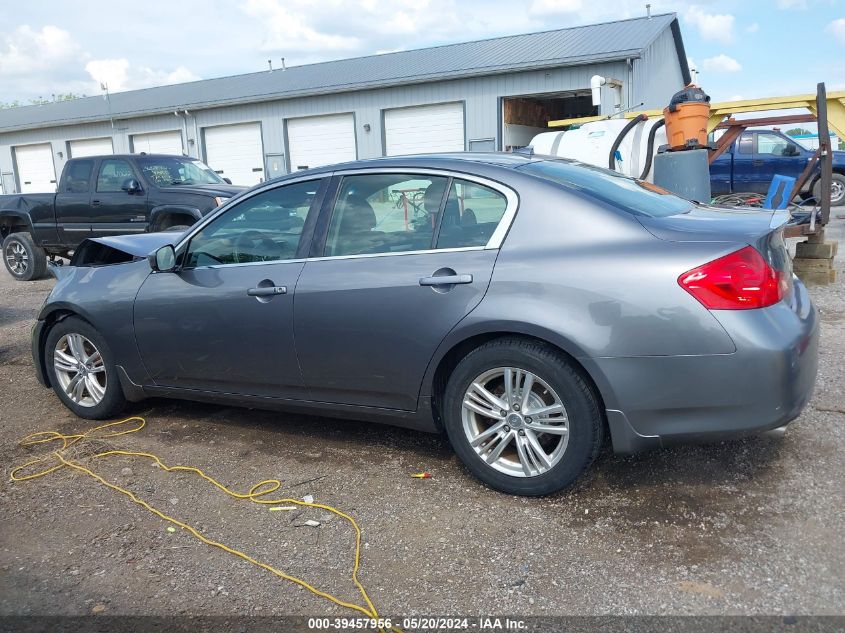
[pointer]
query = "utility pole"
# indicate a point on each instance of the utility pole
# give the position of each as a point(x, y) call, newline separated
point(105, 88)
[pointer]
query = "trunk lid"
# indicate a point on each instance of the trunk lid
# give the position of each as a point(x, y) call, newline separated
point(735, 228)
point(704, 223)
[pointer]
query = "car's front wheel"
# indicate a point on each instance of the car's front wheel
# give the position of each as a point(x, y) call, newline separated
point(81, 370)
point(522, 417)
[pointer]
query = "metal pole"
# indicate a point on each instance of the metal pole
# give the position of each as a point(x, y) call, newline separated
point(825, 155)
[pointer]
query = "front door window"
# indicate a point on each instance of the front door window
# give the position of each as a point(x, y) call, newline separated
point(266, 227)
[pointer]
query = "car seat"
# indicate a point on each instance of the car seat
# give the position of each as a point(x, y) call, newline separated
point(355, 233)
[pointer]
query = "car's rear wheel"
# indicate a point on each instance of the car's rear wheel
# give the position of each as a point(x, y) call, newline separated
point(81, 370)
point(522, 417)
point(23, 259)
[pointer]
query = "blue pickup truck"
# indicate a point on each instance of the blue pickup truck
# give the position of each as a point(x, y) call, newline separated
point(749, 165)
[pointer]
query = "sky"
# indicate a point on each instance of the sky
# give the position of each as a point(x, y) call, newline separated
point(742, 49)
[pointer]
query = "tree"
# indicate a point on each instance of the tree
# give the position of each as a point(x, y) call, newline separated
point(67, 96)
point(798, 131)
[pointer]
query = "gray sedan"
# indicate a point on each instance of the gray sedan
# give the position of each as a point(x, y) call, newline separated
point(525, 306)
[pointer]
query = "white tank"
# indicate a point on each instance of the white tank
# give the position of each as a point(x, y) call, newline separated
point(591, 144)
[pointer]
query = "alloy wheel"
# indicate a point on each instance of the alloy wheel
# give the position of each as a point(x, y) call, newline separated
point(837, 191)
point(17, 258)
point(80, 370)
point(515, 422)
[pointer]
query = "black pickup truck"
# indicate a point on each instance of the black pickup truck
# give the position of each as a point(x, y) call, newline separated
point(106, 195)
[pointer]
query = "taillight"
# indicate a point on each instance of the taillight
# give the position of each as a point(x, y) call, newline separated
point(742, 280)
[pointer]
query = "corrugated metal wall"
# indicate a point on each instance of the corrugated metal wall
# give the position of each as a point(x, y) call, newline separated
point(657, 75)
point(480, 95)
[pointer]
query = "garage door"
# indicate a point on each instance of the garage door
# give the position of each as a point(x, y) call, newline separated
point(36, 172)
point(236, 152)
point(433, 128)
point(158, 143)
point(321, 140)
point(91, 147)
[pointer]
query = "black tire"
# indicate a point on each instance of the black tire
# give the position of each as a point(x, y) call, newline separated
point(113, 401)
point(586, 424)
point(32, 266)
point(837, 185)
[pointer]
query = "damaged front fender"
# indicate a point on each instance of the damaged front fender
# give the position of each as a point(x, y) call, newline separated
point(105, 251)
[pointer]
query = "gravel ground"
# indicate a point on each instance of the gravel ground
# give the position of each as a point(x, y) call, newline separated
point(746, 527)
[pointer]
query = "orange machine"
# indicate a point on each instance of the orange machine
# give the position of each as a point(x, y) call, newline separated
point(686, 119)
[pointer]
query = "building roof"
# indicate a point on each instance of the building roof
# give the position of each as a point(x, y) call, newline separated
point(563, 47)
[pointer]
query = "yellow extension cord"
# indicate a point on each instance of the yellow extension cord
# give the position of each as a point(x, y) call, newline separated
point(256, 494)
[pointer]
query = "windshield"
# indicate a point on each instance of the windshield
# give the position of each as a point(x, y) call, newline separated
point(166, 171)
point(637, 197)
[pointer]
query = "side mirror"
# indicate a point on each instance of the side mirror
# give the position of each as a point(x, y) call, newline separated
point(791, 150)
point(228, 181)
point(131, 186)
point(163, 260)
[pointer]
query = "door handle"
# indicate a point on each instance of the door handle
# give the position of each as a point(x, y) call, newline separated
point(95, 203)
point(758, 163)
point(446, 280)
point(267, 291)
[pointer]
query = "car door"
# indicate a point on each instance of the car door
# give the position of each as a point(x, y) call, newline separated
point(73, 202)
point(743, 169)
point(223, 322)
point(116, 209)
point(403, 258)
point(720, 170)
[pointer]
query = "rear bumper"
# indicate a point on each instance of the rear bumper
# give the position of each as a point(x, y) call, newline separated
point(763, 385)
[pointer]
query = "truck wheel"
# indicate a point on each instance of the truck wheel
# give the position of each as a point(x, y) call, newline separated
point(837, 190)
point(24, 260)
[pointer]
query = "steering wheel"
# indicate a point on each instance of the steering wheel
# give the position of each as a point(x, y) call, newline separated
point(253, 246)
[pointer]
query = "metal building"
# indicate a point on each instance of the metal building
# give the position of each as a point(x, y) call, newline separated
point(491, 94)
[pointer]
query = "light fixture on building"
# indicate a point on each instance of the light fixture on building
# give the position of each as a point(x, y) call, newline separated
point(366, 127)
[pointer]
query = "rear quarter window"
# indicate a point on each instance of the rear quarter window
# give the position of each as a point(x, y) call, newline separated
point(636, 197)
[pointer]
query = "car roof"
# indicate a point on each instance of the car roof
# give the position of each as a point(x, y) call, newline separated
point(145, 155)
point(459, 161)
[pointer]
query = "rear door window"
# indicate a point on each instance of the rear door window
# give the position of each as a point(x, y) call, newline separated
point(78, 176)
point(636, 197)
point(385, 213)
point(471, 215)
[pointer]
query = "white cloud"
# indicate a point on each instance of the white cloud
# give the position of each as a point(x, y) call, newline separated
point(837, 29)
point(752, 28)
point(119, 75)
point(711, 26)
point(736, 98)
point(288, 30)
point(722, 64)
point(792, 4)
point(555, 7)
point(26, 50)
